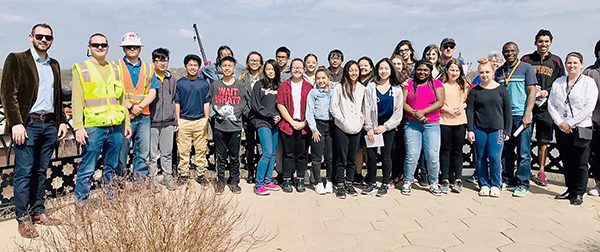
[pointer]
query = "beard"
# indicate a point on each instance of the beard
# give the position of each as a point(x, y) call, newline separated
point(41, 48)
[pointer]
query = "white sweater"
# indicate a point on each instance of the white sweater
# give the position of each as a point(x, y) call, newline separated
point(582, 98)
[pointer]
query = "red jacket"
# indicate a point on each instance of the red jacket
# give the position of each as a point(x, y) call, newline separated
point(284, 97)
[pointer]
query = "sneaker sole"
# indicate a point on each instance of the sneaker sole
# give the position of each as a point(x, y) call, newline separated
point(406, 193)
point(381, 195)
point(367, 193)
point(261, 194)
point(341, 197)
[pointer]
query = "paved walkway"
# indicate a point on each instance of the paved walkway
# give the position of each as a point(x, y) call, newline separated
point(421, 222)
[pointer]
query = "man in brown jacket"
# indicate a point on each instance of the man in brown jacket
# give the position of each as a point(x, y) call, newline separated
point(30, 94)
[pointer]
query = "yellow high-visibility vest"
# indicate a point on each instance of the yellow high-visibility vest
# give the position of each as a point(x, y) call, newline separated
point(102, 105)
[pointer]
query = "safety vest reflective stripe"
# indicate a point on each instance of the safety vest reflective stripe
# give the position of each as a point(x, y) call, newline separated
point(101, 101)
point(131, 97)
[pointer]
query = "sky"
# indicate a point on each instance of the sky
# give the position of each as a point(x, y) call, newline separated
point(357, 27)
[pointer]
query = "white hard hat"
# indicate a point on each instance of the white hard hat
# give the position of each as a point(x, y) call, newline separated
point(131, 39)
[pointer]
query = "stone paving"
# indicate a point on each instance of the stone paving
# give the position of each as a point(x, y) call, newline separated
point(420, 222)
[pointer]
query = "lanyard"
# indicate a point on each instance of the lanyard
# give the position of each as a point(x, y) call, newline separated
point(568, 91)
point(511, 73)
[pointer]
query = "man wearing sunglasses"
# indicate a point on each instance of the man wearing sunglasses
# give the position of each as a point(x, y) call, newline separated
point(30, 93)
point(100, 118)
point(448, 48)
point(140, 85)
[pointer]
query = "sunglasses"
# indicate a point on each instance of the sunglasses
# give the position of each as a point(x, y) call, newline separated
point(98, 45)
point(448, 46)
point(41, 36)
point(132, 47)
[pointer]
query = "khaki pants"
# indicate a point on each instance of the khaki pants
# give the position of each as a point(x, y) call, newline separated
point(197, 131)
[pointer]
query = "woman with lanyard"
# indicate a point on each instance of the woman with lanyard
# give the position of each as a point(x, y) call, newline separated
point(571, 103)
point(251, 75)
point(385, 114)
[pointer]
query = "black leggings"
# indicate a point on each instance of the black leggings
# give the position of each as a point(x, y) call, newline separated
point(346, 146)
point(451, 159)
point(386, 160)
point(322, 149)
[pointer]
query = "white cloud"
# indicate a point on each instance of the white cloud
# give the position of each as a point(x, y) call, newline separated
point(185, 33)
point(8, 18)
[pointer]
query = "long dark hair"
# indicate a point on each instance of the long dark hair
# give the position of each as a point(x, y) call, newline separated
point(462, 81)
point(396, 78)
point(347, 83)
point(409, 44)
point(271, 83)
point(429, 80)
point(438, 63)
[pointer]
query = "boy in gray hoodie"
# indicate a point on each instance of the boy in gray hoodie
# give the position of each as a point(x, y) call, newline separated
point(164, 121)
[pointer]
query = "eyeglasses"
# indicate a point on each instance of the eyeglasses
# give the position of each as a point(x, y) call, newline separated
point(163, 61)
point(403, 51)
point(281, 57)
point(41, 36)
point(132, 47)
point(448, 46)
point(254, 61)
point(98, 45)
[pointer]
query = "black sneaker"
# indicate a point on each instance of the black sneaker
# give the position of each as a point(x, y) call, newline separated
point(300, 187)
point(358, 179)
point(350, 189)
point(220, 187)
point(383, 190)
point(369, 189)
point(201, 179)
point(250, 179)
point(235, 188)
point(340, 192)
point(182, 180)
point(286, 186)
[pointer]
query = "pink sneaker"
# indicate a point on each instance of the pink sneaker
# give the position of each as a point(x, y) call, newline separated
point(261, 191)
point(272, 187)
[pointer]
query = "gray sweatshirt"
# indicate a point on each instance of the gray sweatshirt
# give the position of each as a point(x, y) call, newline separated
point(230, 103)
point(347, 114)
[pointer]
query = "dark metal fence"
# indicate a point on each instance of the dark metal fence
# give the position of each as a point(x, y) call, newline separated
point(63, 168)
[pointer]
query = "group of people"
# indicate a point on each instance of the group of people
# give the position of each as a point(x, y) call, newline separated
point(400, 107)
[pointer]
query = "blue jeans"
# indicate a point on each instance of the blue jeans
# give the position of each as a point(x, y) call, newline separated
point(488, 145)
point(426, 136)
point(523, 144)
point(31, 163)
point(140, 134)
point(105, 140)
point(264, 169)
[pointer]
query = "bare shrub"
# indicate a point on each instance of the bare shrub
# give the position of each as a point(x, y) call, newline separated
point(134, 218)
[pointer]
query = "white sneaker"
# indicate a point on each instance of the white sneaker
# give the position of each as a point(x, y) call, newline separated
point(594, 191)
point(328, 187)
point(320, 189)
point(484, 191)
